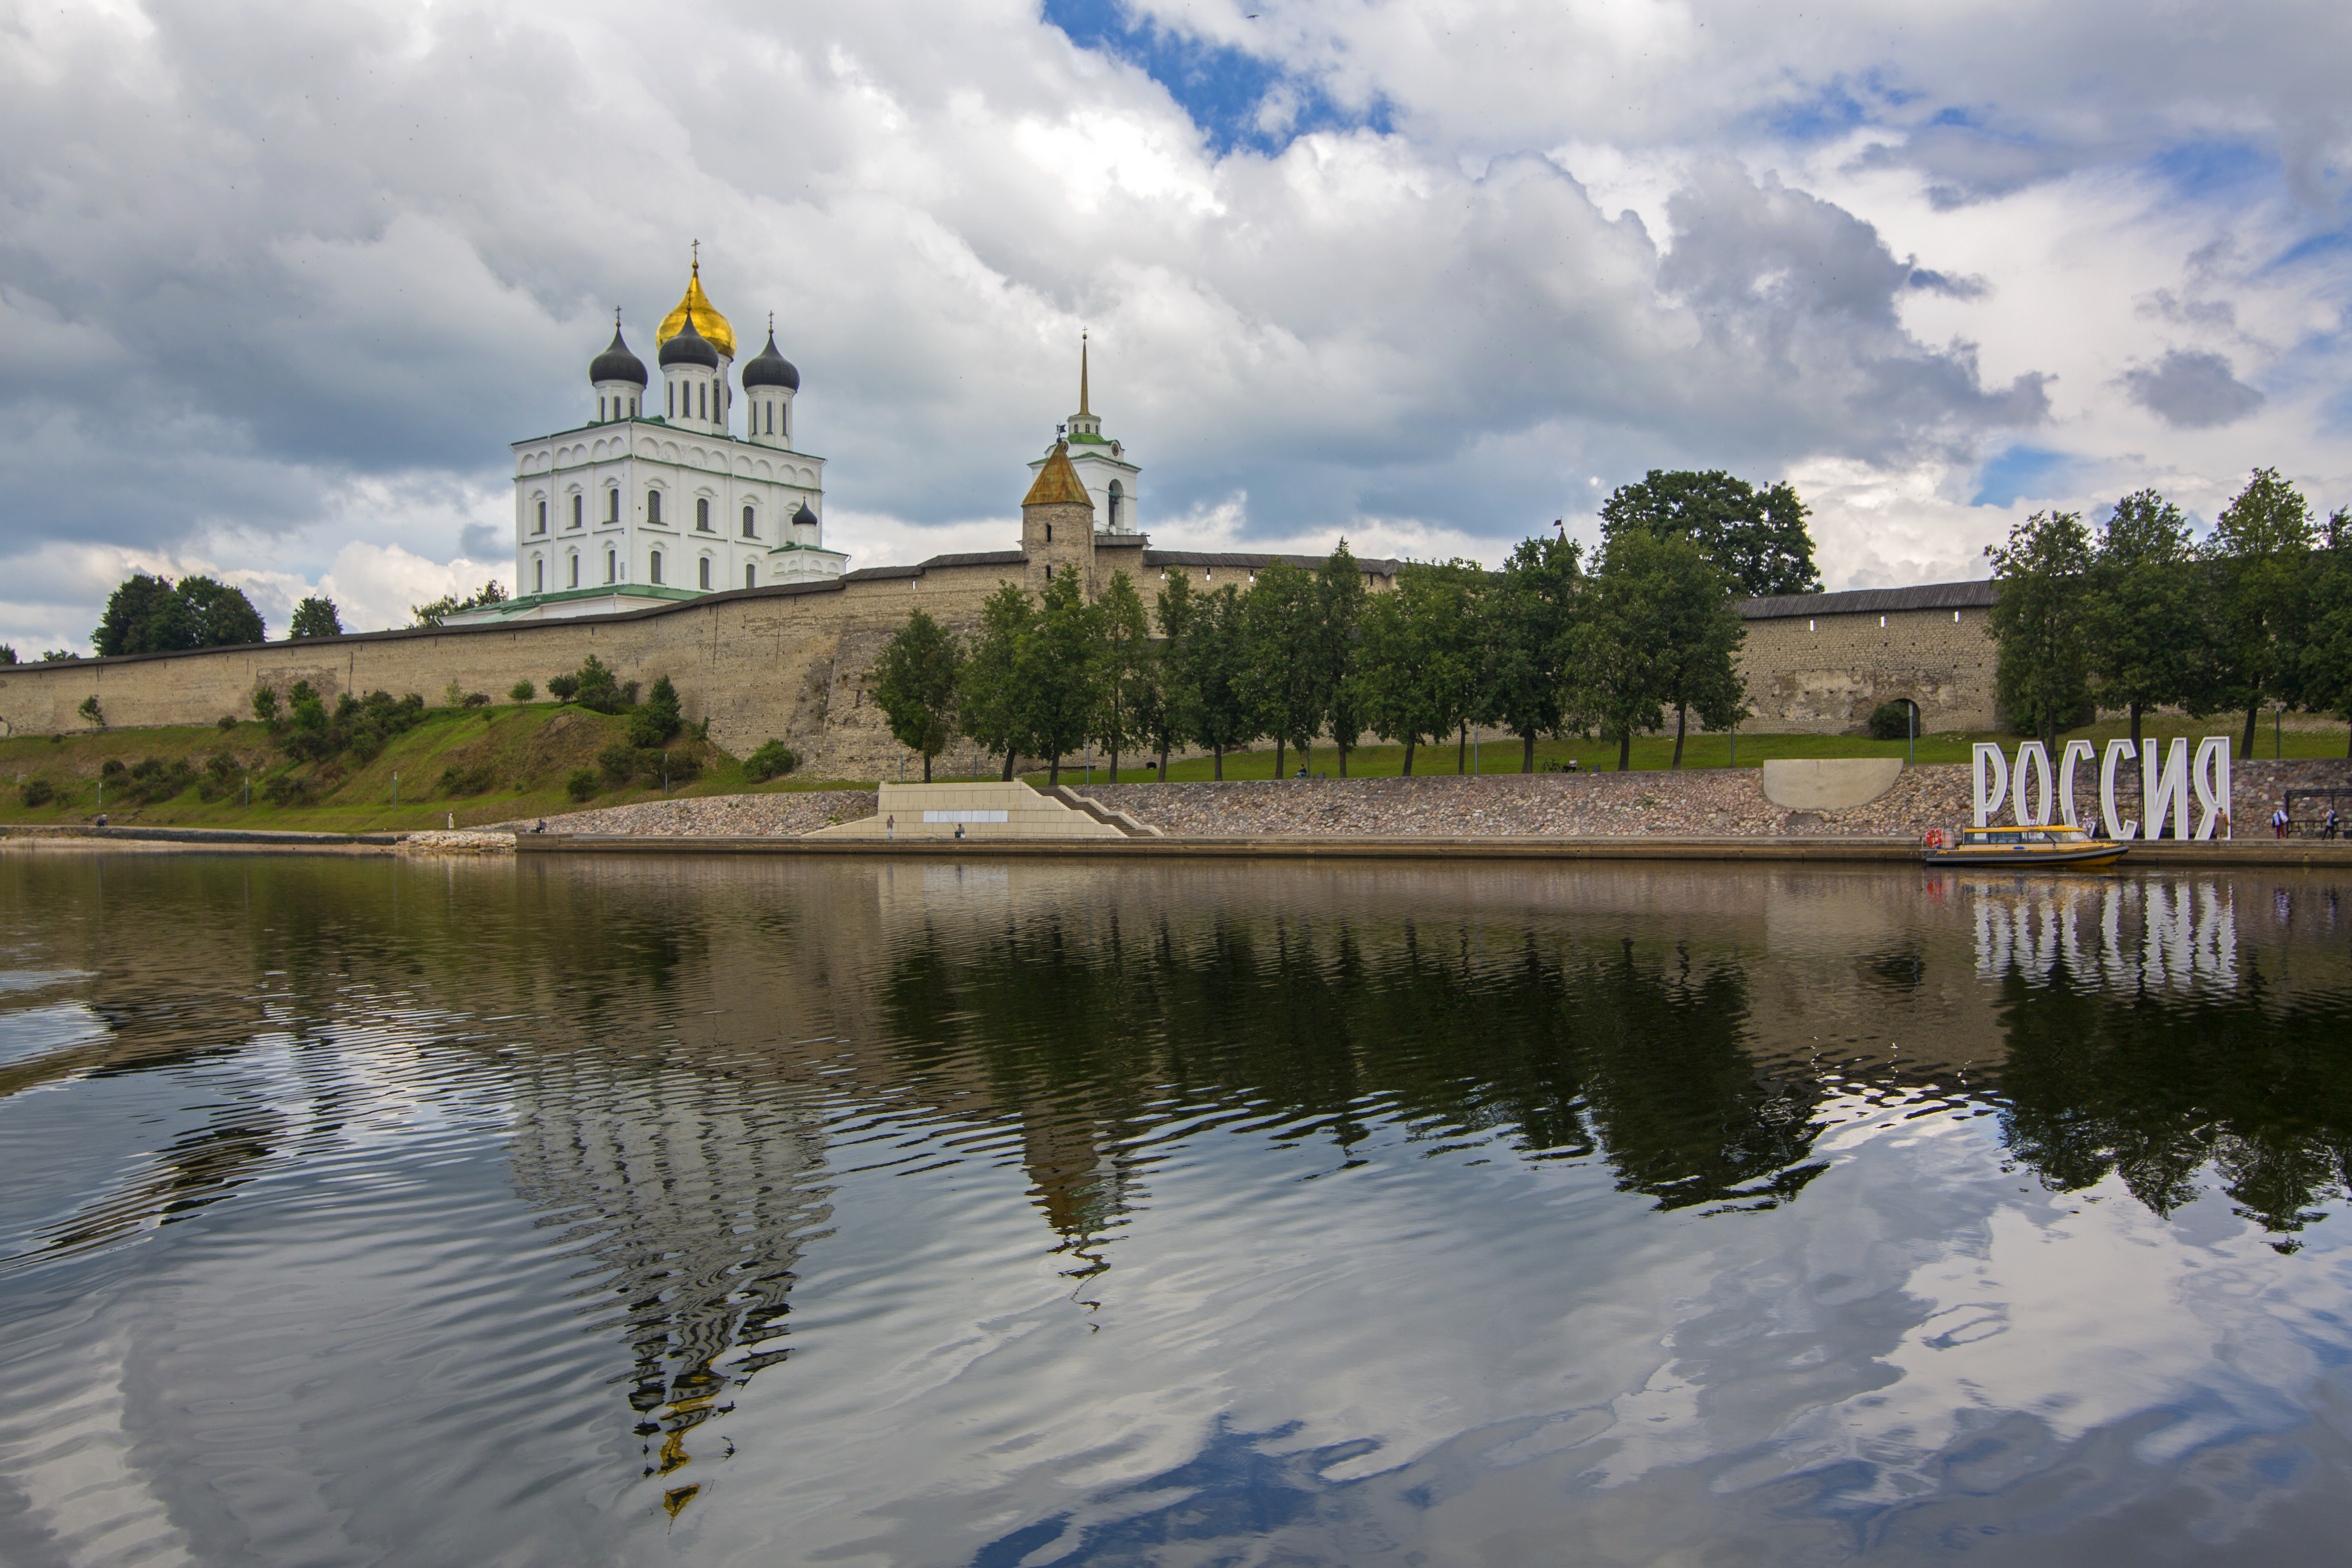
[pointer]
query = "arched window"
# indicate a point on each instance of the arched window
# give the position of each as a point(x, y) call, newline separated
point(542, 518)
point(575, 570)
point(653, 508)
point(705, 565)
point(613, 504)
point(612, 564)
point(702, 513)
point(633, 405)
point(702, 400)
point(748, 531)
point(653, 565)
point(578, 504)
point(538, 575)
point(1116, 496)
point(671, 388)
point(599, 411)
point(751, 576)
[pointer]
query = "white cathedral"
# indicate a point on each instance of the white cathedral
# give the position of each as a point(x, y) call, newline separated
point(650, 504)
point(662, 502)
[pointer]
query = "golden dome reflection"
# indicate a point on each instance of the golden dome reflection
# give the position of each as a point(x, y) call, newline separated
point(713, 326)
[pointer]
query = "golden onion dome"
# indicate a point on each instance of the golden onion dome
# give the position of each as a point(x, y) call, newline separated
point(713, 326)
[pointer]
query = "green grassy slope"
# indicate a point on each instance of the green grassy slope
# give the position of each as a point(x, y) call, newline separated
point(528, 750)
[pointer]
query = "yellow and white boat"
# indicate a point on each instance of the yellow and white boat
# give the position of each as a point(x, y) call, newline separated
point(2021, 847)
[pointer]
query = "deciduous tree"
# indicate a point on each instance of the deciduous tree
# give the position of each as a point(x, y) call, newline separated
point(1339, 607)
point(316, 618)
point(2042, 673)
point(1532, 613)
point(915, 681)
point(1757, 536)
point(991, 707)
point(1128, 678)
point(2139, 607)
point(2260, 547)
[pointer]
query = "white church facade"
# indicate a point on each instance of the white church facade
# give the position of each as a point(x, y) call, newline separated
point(659, 498)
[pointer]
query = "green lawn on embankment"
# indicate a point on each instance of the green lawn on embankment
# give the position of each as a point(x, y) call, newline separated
point(1658, 751)
point(526, 751)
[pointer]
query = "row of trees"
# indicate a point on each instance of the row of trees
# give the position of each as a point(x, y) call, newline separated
point(2140, 615)
point(1539, 648)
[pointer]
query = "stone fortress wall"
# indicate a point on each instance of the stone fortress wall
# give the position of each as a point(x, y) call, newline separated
point(792, 662)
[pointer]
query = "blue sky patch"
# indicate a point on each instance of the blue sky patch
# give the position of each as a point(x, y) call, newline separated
point(2020, 472)
point(1220, 87)
point(2209, 169)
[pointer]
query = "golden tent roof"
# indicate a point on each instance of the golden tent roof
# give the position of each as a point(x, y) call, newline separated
point(713, 326)
point(1058, 483)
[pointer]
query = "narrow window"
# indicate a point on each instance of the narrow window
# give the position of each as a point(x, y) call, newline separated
point(654, 575)
point(702, 399)
point(705, 574)
point(749, 532)
point(1049, 573)
point(702, 513)
point(771, 417)
point(1049, 533)
point(751, 576)
point(542, 518)
point(538, 576)
point(633, 406)
point(579, 503)
point(575, 571)
point(787, 421)
point(653, 507)
point(611, 565)
point(613, 504)
point(671, 388)
point(599, 411)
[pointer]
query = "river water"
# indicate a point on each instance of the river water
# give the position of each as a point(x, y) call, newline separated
point(571, 1212)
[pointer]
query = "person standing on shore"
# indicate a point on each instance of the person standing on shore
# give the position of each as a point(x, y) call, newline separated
point(2279, 822)
point(890, 825)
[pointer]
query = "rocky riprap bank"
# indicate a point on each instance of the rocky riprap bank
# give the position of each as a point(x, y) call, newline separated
point(1712, 803)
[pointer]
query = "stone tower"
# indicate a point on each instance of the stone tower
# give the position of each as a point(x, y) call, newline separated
point(1057, 525)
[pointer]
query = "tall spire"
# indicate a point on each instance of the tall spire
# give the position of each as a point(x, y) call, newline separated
point(1082, 374)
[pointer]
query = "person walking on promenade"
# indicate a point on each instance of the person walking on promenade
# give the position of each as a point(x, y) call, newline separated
point(2279, 822)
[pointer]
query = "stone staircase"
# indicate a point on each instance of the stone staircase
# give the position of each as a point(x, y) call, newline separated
point(1121, 820)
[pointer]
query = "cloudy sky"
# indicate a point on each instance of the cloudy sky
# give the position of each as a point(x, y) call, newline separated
point(279, 281)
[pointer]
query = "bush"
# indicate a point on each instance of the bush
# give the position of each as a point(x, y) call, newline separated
point(563, 688)
point(228, 721)
point(598, 688)
point(361, 726)
point(90, 710)
point(265, 706)
point(456, 780)
point(522, 691)
point(220, 777)
point(285, 789)
point(39, 792)
point(619, 764)
point(772, 760)
point(474, 699)
point(1890, 721)
point(153, 779)
point(110, 769)
point(581, 783)
point(657, 720)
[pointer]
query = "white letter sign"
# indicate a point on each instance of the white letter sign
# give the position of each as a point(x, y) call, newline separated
point(2211, 777)
point(1988, 797)
point(2034, 752)
point(2165, 786)
point(2118, 830)
point(2077, 751)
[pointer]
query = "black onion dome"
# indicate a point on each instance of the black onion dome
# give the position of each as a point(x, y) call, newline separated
point(690, 347)
point(805, 517)
point(616, 363)
point(769, 368)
